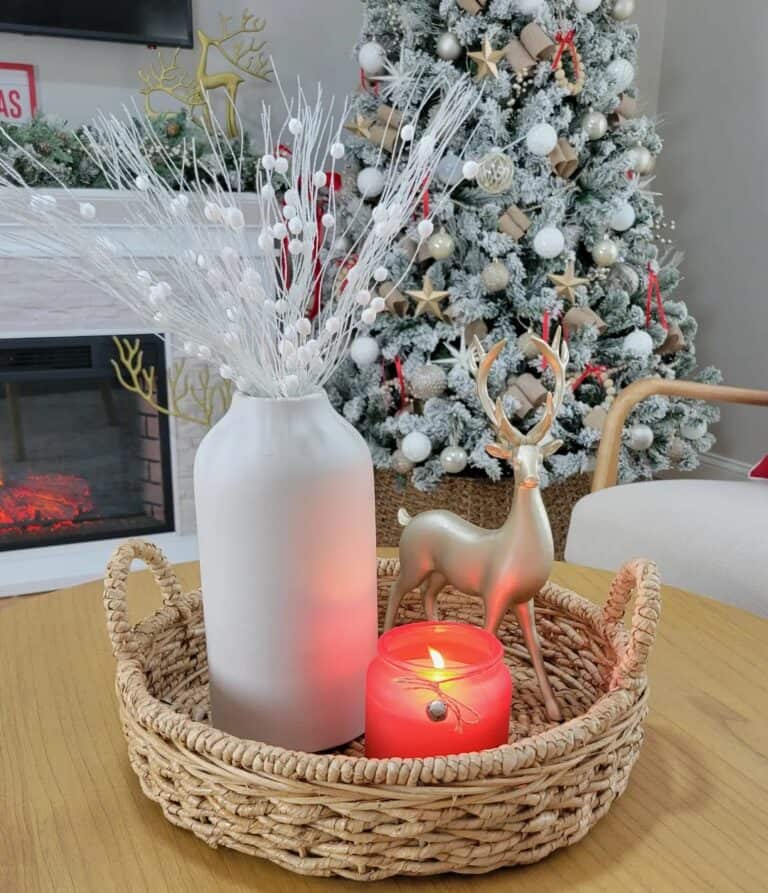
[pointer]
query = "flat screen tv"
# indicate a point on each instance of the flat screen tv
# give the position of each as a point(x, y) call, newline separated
point(160, 22)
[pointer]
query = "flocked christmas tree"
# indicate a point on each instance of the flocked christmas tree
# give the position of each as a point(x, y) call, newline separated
point(552, 221)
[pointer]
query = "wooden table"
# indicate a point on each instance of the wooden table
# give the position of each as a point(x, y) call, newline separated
point(72, 817)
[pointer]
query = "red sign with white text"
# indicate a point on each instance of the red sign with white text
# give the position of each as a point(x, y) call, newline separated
point(18, 94)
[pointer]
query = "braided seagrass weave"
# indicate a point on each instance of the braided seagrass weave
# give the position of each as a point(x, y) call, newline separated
point(342, 814)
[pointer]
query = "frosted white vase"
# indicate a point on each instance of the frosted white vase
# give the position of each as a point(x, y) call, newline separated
point(287, 536)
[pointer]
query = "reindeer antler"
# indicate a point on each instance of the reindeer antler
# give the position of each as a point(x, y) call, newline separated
point(507, 432)
point(557, 355)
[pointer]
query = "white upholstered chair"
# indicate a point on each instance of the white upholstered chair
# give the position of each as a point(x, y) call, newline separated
point(709, 537)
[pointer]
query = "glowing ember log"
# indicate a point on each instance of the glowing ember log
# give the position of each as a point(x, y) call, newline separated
point(44, 500)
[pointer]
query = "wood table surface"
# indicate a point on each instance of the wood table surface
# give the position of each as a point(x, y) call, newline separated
point(72, 816)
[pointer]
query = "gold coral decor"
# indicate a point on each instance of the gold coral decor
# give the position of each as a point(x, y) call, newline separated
point(201, 401)
point(339, 813)
point(237, 44)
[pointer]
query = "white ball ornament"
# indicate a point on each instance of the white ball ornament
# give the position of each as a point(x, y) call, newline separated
point(368, 316)
point(407, 133)
point(640, 438)
point(281, 165)
point(337, 150)
point(88, 211)
point(529, 6)
point(595, 125)
point(587, 6)
point(370, 182)
point(454, 459)
point(495, 277)
point(372, 58)
point(549, 242)
point(416, 447)
point(328, 220)
point(142, 183)
point(295, 126)
point(623, 10)
point(440, 245)
point(638, 344)
point(380, 274)
point(425, 229)
point(623, 218)
point(620, 74)
point(605, 253)
point(470, 170)
point(449, 170)
point(541, 139)
point(268, 162)
point(364, 350)
point(448, 46)
point(319, 179)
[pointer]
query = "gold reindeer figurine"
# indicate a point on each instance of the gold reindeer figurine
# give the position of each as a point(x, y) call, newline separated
point(507, 566)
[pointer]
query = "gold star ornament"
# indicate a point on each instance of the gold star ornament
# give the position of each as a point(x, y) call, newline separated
point(567, 282)
point(428, 299)
point(361, 126)
point(487, 59)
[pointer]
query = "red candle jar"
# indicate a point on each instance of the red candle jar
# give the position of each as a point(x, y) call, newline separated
point(436, 688)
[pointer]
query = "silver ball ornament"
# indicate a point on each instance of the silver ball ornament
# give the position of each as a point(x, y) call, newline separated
point(496, 172)
point(495, 277)
point(693, 430)
point(605, 253)
point(448, 46)
point(676, 450)
point(623, 9)
point(640, 438)
point(639, 159)
point(416, 447)
point(638, 344)
point(437, 710)
point(428, 381)
point(449, 169)
point(440, 245)
point(527, 346)
point(627, 278)
point(595, 125)
point(399, 463)
point(454, 459)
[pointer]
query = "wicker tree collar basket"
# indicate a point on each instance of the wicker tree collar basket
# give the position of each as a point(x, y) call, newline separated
point(343, 814)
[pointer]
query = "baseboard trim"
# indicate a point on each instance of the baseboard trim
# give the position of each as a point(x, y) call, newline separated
point(731, 467)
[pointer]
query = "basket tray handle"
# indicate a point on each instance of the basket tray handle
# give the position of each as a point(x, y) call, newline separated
point(641, 578)
point(121, 633)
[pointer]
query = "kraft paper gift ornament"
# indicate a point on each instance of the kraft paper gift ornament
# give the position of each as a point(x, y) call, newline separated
point(514, 222)
point(578, 317)
point(564, 159)
point(533, 46)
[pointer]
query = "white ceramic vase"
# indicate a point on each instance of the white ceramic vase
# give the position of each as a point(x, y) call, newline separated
point(287, 536)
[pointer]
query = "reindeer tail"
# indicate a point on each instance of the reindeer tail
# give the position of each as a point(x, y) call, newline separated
point(403, 518)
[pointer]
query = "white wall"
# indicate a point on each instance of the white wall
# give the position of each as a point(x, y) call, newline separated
point(307, 38)
point(714, 173)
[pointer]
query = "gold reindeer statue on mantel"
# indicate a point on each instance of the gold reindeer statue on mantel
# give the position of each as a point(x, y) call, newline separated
point(245, 53)
point(507, 566)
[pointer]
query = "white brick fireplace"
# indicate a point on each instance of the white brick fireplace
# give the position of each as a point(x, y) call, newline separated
point(38, 301)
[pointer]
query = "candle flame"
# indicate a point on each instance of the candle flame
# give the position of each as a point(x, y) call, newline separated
point(438, 661)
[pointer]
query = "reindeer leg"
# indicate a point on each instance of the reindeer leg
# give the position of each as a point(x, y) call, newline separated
point(434, 587)
point(527, 622)
point(403, 584)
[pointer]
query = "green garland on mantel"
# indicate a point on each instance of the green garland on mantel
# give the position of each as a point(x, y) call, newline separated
point(57, 146)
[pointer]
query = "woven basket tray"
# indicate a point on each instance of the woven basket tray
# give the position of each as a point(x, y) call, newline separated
point(479, 500)
point(342, 814)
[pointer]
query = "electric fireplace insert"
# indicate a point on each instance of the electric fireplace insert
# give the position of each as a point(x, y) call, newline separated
point(81, 457)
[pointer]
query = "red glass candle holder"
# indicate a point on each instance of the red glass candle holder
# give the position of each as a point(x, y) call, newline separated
point(436, 688)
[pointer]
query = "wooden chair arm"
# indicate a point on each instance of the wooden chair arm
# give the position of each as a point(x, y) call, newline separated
point(607, 466)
